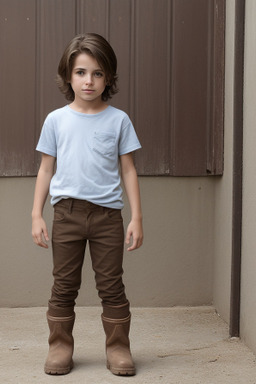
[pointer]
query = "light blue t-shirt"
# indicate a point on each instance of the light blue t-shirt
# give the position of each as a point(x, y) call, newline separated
point(87, 148)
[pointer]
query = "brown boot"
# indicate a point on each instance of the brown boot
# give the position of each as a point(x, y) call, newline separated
point(119, 359)
point(61, 345)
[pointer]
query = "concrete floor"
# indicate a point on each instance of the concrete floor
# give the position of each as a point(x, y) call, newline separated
point(170, 345)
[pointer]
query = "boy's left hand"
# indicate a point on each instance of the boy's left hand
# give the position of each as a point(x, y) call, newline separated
point(134, 232)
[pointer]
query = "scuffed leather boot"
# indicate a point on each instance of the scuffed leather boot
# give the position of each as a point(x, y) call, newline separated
point(61, 345)
point(119, 359)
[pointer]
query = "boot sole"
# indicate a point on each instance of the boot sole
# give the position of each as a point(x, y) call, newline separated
point(121, 371)
point(58, 371)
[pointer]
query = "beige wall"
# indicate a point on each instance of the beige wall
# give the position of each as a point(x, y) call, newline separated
point(223, 191)
point(248, 279)
point(174, 267)
point(223, 187)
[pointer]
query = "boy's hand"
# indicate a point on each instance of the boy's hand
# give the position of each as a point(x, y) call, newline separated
point(134, 232)
point(39, 232)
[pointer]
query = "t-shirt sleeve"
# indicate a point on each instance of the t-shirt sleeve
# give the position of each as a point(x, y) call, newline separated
point(129, 141)
point(47, 140)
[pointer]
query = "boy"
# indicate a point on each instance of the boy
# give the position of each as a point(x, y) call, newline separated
point(88, 139)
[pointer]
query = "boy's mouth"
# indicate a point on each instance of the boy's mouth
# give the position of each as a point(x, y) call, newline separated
point(88, 90)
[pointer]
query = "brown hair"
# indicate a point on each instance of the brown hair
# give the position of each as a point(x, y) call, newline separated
point(100, 49)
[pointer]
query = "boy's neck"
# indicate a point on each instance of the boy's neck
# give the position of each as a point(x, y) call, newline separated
point(88, 108)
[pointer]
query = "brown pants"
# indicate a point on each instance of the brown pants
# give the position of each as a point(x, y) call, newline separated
point(75, 222)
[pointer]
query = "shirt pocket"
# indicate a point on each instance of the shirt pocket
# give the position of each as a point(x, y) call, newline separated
point(104, 143)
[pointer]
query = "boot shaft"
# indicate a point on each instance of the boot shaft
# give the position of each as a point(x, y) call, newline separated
point(117, 331)
point(61, 329)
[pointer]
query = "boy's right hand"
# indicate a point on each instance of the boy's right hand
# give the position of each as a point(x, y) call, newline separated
point(39, 232)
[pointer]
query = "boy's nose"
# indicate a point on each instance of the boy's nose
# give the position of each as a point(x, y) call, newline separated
point(88, 79)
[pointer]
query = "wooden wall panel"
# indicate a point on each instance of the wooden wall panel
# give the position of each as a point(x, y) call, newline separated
point(190, 86)
point(56, 26)
point(17, 79)
point(215, 156)
point(56, 21)
point(152, 85)
point(121, 36)
point(171, 77)
point(197, 99)
point(93, 16)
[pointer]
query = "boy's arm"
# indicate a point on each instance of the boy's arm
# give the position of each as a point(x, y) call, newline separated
point(45, 173)
point(130, 180)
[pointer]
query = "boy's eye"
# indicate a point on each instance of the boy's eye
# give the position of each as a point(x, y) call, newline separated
point(98, 74)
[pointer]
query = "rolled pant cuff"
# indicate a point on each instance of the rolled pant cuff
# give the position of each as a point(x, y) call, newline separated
point(116, 311)
point(55, 311)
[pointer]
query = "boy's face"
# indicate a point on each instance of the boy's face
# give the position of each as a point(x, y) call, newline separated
point(88, 80)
